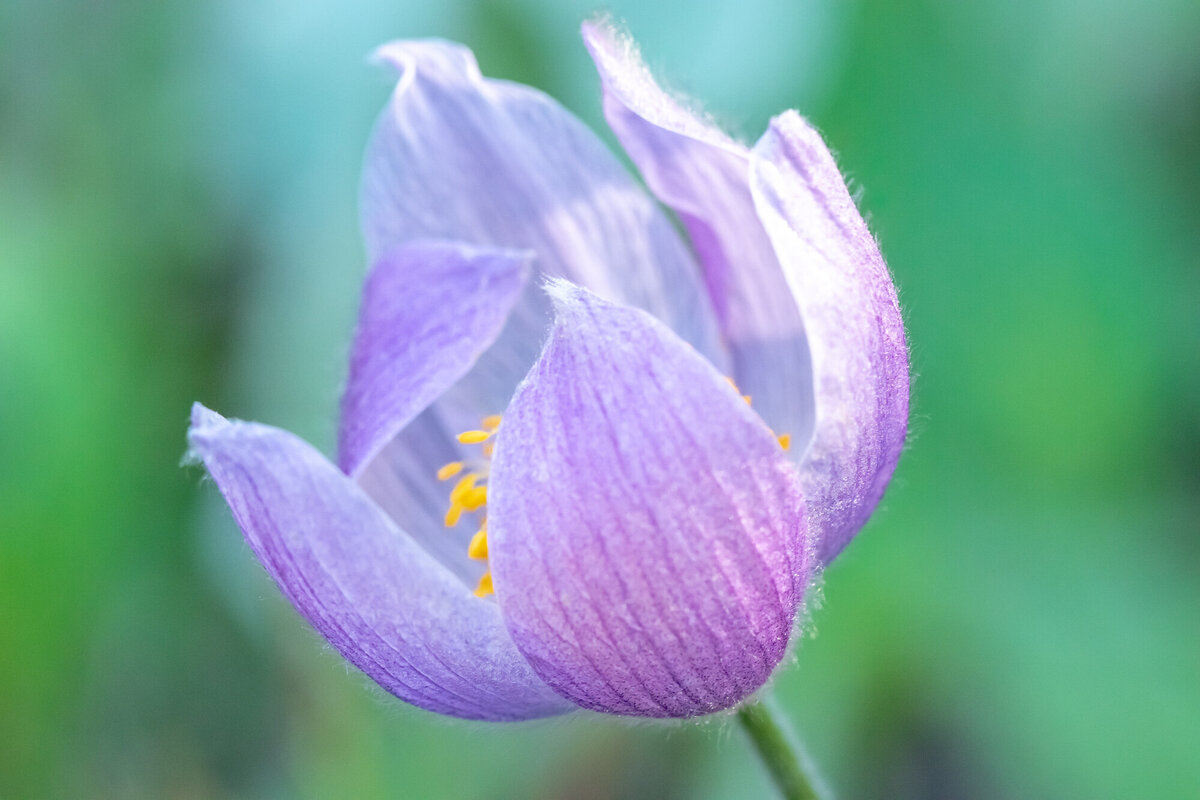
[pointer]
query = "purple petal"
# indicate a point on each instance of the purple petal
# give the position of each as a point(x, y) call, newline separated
point(386, 606)
point(647, 533)
point(704, 176)
point(457, 156)
point(855, 332)
point(429, 310)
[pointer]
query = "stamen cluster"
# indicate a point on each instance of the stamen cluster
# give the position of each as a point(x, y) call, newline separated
point(469, 494)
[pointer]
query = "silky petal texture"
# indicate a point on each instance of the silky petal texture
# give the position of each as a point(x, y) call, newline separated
point(855, 330)
point(647, 534)
point(378, 598)
point(694, 168)
point(429, 309)
point(458, 156)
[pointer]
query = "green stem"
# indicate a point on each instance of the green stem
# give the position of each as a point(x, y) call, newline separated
point(782, 756)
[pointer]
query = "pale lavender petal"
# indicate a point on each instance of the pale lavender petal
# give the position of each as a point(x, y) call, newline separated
point(458, 156)
point(648, 541)
point(379, 599)
point(855, 331)
point(429, 309)
point(704, 176)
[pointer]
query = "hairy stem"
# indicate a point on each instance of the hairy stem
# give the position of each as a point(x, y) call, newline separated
point(780, 753)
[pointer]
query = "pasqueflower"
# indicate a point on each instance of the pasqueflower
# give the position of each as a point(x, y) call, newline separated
point(586, 459)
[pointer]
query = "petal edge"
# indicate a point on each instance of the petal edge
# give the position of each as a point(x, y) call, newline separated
point(704, 176)
point(855, 328)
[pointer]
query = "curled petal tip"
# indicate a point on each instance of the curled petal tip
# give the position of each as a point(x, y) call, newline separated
point(391, 57)
point(566, 296)
point(600, 31)
point(446, 58)
point(790, 117)
point(575, 306)
point(204, 421)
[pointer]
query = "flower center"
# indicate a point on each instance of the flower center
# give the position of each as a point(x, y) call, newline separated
point(469, 494)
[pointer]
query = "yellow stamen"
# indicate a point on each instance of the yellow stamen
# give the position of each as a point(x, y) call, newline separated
point(785, 441)
point(470, 494)
point(478, 548)
point(746, 397)
point(473, 498)
point(450, 470)
point(465, 484)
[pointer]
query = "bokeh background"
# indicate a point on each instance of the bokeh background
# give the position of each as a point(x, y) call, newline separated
point(178, 221)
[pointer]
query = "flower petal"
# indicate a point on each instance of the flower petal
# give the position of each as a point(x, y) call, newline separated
point(429, 310)
point(855, 331)
point(704, 176)
point(386, 606)
point(647, 534)
point(458, 156)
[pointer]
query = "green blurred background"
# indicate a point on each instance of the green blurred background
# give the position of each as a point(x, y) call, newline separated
point(178, 221)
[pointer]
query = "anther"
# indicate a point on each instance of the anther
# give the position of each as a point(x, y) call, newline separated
point(733, 383)
point(469, 493)
point(473, 498)
point(465, 484)
point(449, 470)
point(478, 548)
point(785, 441)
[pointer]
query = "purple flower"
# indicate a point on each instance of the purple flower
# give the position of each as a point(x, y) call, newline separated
point(619, 528)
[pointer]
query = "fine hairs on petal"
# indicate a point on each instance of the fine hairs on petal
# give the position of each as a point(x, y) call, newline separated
point(693, 167)
point(608, 38)
point(852, 315)
point(565, 296)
